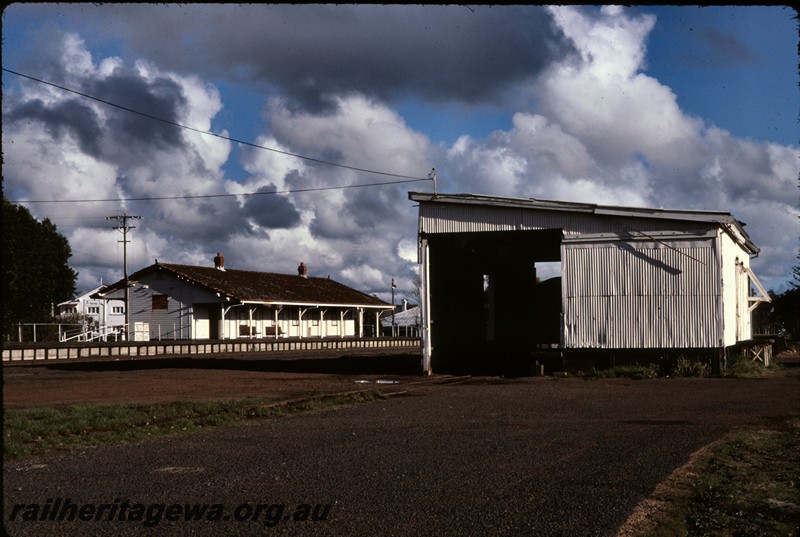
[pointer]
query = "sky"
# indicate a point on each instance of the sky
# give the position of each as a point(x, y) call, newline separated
point(276, 134)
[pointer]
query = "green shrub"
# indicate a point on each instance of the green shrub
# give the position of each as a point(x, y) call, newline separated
point(691, 368)
point(636, 372)
point(742, 367)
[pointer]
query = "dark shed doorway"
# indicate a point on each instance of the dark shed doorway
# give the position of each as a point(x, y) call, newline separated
point(488, 309)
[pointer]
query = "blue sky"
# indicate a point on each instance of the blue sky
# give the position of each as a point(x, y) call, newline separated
point(678, 107)
point(735, 67)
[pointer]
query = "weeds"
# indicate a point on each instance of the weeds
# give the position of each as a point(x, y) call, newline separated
point(636, 372)
point(740, 367)
point(749, 485)
point(35, 431)
point(690, 368)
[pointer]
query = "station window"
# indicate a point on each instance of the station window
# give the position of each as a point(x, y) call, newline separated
point(160, 302)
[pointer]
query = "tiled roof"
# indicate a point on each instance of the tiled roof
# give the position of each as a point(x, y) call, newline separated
point(251, 286)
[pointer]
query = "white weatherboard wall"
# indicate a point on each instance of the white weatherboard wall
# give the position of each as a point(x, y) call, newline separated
point(191, 310)
point(736, 290)
point(641, 294)
point(178, 321)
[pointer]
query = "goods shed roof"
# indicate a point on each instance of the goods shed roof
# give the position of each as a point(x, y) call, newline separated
point(724, 220)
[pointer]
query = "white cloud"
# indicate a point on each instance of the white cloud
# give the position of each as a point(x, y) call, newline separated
point(407, 249)
point(550, 147)
point(604, 132)
point(367, 277)
point(594, 127)
point(69, 148)
point(490, 167)
point(360, 132)
point(267, 167)
point(604, 99)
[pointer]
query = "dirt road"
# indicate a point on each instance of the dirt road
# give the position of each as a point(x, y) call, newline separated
point(484, 456)
point(155, 381)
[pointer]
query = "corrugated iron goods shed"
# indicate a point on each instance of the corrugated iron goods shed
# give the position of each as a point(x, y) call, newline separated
point(194, 302)
point(629, 279)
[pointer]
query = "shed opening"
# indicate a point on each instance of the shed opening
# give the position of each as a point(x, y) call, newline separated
point(489, 307)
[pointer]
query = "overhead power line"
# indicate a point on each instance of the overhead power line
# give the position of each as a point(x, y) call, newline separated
point(202, 196)
point(408, 178)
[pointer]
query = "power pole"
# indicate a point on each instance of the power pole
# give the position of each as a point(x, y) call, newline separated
point(393, 288)
point(123, 228)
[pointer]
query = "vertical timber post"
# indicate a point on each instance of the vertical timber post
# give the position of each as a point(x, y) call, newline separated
point(123, 228)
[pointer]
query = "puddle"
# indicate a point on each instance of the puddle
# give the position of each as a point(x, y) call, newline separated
point(364, 381)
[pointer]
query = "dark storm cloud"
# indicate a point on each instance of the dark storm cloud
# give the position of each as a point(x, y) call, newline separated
point(364, 211)
point(119, 131)
point(193, 222)
point(70, 116)
point(159, 99)
point(270, 210)
point(374, 207)
point(443, 53)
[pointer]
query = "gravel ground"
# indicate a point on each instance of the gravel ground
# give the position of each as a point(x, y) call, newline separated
point(444, 456)
point(150, 381)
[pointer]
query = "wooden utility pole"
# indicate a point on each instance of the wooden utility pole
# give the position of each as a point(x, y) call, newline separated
point(123, 228)
point(393, 288)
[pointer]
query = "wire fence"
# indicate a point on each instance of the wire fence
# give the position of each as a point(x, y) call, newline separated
point(65, 332)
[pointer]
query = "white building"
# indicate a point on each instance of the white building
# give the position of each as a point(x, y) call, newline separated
point(407, 322)
point(107, 314)
point(169, 301)
point(627, 279)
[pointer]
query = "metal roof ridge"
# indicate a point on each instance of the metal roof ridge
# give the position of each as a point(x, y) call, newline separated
point(502, 200)
point(598, 208)
point(720, 217)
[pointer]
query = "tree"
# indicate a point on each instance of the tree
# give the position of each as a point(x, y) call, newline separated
point(785, 312)
point(36, 273)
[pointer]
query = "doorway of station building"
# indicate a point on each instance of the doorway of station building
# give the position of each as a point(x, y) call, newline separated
point(495, 299)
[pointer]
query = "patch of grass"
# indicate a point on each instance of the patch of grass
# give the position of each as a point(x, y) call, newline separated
point(36, 431)
point(685, 367)
point(747, 485)
point(635, 371)
point(742, 367)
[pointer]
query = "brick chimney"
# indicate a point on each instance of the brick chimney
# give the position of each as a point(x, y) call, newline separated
point(219, 262)
point(302, 270)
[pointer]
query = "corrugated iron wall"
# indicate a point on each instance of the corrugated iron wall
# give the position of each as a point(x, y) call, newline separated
point(623, 295)
point(628, 281)
point(454, 218)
